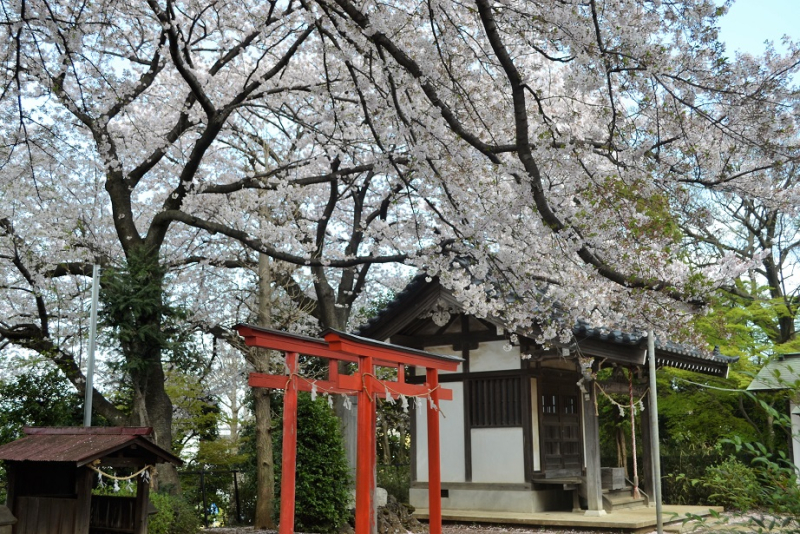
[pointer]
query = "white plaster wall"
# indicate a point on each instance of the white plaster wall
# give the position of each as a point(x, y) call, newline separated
point(491, 357)
point(497, 455)
point(451, 437)
point(445, 350)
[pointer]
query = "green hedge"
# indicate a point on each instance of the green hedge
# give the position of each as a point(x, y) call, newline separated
point(322, 495)
point(175, 515)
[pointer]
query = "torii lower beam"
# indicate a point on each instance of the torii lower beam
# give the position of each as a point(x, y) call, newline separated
point(340, 346)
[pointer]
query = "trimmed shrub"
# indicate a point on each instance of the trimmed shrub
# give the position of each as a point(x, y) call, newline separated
point(732, 484)
point(175, 516)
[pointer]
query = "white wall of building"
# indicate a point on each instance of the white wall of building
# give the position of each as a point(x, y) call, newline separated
point(497, 455)
point(490, 356)
point(444, 350)
point(451, 437)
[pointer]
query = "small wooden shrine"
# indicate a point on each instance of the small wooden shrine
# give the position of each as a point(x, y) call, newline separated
point(52, 471)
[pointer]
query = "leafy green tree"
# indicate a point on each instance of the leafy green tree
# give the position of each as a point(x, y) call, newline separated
point(37, 399)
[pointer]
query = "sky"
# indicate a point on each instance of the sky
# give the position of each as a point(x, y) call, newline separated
point(751, 22)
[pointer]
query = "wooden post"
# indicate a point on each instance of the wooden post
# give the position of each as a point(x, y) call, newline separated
point(366, 444)
point(11, 476)
point(142, 502)
point(434, 465)
point(591, 433)
point(373, 462)
point(289, 459)
point(83, 504)
point(647, 456)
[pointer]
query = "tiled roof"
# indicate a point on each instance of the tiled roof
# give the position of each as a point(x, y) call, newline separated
point(668, 353)
point(782, 373)
point(638, 339)
point(417, 284)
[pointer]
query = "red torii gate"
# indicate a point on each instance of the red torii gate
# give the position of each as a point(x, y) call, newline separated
point(338, 346)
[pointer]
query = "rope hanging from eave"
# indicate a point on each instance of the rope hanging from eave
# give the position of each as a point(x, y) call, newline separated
point(633, 436)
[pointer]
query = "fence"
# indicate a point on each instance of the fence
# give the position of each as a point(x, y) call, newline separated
point(215, 495)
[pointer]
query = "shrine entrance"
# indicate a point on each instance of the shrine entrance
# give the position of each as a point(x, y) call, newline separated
point(335, 347)
point(562, 444)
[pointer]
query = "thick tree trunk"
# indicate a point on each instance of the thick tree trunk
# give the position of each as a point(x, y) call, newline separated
point(331, 316)
point(134, 297)
point(152, 407)
point(265, 466)
point(387, 455)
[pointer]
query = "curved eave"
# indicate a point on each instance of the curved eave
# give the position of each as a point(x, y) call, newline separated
point(696, 365)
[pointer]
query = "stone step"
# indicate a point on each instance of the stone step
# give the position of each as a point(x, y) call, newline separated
point(619, 499)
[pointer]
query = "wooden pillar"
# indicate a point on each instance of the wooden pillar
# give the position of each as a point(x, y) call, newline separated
point(591, 433)
point(365, 518)
point(83, 501)
point(11, 476)
point(373, 462)
point(289, 459)
point(647, 456)
point(142, 502)
point(434, 464)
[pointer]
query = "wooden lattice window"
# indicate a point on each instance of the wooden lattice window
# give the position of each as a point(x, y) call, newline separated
point(495, 402)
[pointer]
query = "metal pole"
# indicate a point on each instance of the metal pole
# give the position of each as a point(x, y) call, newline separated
point(654, 443)
point(87, 404)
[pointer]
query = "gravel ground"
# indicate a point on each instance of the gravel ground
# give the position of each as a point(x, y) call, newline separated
point(732, 524)
point(450, 528)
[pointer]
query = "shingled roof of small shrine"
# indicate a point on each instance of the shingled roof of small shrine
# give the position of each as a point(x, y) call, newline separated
point(80, 445)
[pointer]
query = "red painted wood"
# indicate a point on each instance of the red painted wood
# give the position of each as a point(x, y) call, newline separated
point(347, 384)
point(364, 446)
point(389, 356)
point(434, 466)
point(368, 355)
point(373, 482)
point(308, 346)
point(275, 340)
point(333, 370)
point(261, 380)
point(289, 459)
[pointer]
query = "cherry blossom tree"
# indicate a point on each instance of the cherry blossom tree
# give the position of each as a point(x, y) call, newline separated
point(716, 224)
point(552, 144)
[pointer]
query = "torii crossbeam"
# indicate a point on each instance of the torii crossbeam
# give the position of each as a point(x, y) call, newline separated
point(335, 347)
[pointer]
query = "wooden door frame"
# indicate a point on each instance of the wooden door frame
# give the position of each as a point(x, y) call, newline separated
point(562, 383)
